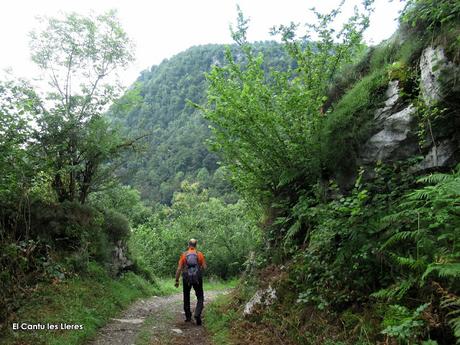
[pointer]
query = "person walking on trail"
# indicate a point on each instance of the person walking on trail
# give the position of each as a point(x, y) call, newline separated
point(192, 264)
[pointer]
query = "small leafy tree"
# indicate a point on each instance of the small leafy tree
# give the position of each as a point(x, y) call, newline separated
point(77, 55)
point(267, 125)
point(18, 163)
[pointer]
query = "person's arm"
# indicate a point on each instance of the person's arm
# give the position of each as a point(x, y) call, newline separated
point(178, 272)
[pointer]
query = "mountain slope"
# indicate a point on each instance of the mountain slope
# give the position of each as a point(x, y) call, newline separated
point(175, 149)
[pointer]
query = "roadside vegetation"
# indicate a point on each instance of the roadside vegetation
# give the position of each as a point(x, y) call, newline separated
point(357, 255)
point(89, 299)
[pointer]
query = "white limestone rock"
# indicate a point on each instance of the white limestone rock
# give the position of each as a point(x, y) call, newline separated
point(432, 64)
point(389, 143)
point(263, 297)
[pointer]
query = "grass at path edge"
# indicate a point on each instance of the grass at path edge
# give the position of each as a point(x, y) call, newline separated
point(89, 300)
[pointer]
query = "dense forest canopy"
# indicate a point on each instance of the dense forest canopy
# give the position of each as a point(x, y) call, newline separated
point(158, 104)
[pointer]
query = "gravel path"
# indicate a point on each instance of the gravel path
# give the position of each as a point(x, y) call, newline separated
point(155, 321)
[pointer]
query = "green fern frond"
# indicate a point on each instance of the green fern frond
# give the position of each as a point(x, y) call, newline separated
point(413, 264)
point(292, 231)
point(422, 194)
point(396, 217)
point(396, 291)
point(435, 178)
point(402, 236)
point(447, 270)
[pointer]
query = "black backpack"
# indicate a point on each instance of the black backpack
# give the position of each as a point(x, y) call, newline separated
point(192, 273)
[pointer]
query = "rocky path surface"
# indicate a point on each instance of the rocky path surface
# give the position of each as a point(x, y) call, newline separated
point(155, 321)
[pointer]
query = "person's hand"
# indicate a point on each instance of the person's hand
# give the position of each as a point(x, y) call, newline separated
point(176, 284)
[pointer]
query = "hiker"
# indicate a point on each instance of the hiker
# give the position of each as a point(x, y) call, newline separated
point(191, 264)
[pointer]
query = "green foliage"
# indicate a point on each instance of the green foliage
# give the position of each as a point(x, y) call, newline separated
point(404, 325)
point(158, 105)
point(71, 133)
point(54, 148)
point(21, 171)
point(349, 124)
point(267, 125)
point(226, 233)
point(451, 303)
point(285, 134)
point(383, 54)
point(219, 319)
point(428, 218)
point(116, 225)
point(124, 200)
point(430, 15)
point(424, 248)
point(329, 272)
point(435, 22)
point(91, 300)
point(63, 239)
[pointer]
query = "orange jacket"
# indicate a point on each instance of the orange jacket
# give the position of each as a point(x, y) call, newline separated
point(200, 256)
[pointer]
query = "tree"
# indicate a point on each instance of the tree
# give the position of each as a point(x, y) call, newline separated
point(78, 55)
point(16, 169)
point(266, 125)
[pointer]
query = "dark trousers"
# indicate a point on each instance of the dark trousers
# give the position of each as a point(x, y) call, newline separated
point(199, 295)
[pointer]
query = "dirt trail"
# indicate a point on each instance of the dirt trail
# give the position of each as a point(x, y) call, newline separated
point(155, 321)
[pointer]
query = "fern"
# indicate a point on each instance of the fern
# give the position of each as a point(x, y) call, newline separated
point(395, 292)
point(423, 243)
point(447, 270)
point(292, 232)
point(440, 178)
point(413, 264)
point(452, 303)
point(402, 236)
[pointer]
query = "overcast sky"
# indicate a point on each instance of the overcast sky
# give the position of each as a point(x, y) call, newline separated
point(161, 29)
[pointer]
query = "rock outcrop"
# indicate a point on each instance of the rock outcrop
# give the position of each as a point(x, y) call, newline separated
point(263, 297)
point(396, 124)
point(444, 154)
point(433, 65)
point(395, 139)
point(120, 261)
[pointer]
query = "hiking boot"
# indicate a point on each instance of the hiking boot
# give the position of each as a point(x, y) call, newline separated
point(189, 319)
point(198, 320)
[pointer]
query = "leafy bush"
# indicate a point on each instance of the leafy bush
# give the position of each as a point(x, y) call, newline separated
point(116, 226)
point(267, 124)
point(68, 226)
point(433, 22)
point(404, 325)
point(124, 200)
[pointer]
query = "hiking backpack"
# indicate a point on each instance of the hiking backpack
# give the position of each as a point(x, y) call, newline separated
point(192, 274)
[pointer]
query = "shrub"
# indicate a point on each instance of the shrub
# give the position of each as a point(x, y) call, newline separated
point(66, 226)
point(116, 226)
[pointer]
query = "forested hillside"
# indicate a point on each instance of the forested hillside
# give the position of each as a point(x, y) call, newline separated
point(175, 150)
point(324, 173)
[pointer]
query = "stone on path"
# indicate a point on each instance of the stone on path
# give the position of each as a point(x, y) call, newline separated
point(133, 321)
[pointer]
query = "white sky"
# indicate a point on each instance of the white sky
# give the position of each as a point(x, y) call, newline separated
point(161, 29)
